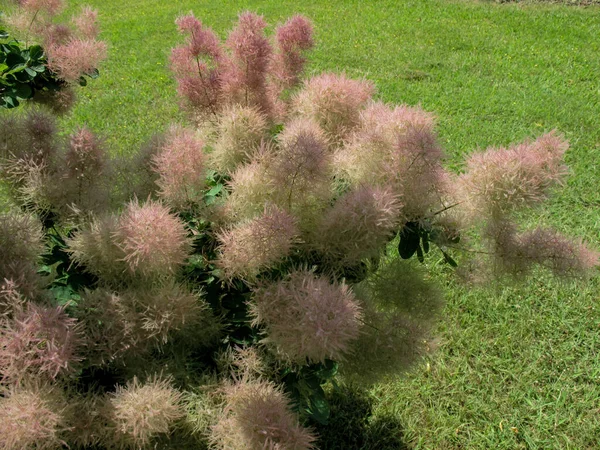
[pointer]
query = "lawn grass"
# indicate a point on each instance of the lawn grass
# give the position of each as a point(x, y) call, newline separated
point(517, 366)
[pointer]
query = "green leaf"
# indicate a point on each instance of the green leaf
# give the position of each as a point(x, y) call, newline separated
point(319, 409)
point(17, 68)
point(45, 270)
point(14, 59)
point(82, 81)
point(420, 255)
point(40, 68)
point(328, 369)
point(10, 49)
point(23, 91)
point(32, 73)
point(211, 196)
point(93, 74)
point(4, 34)
point(409, 241)
point(36, 52)
point(215, 190)
point(425, 240)
point(449, 259)
point(10, 102)
point(64, 294)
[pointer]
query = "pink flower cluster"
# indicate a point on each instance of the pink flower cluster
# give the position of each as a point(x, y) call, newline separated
point(499, 180)
point(154, 242)
point(180, 165)
point(37, 341)
point(307, 318)
point(247, 70)
point(258, 414)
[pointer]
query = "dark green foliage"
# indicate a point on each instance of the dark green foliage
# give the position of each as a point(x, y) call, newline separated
point(67, 278)
point(305, 387)
point(415, 237)
point(24, 71)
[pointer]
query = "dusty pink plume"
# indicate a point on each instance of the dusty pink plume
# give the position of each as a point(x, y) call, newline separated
point(202, 41)
point(197, 66)
point(51, 7)
point(85, 156)
point(245, 79)
point(501, 180)
point(180, 165)
point(293, 39)
point(307, 318)
point(33, 416)
point(358, 225)
point(253, 246)
point(141, 411)
point(75, 58)
point(39, 342)
point(86, 23)
point(334, 102)
point(301, 170)
point(563, 256)
point(258, 415)
point(153, 240)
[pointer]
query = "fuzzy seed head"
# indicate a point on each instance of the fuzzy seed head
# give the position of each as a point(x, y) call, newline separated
point(11, 300)
point(240, 132)
point(32, 417)
point(202, 41)
point(85, 157)
point(258, 416)
point(162, 311)
point(60, 102)
point(358, 225)
point(396, 148)
point(180, 165)
point(153, 240)
point(246, 78)
point(301, 171)
point(95, 248)
point(56, 34)
point(307, 318)
point(253, 246)
point(41, 132)
point(391, 342)
point(86, 23)
point(334, 102)
point(20, 247)
point(515, 253)
point(38, 341)
point(500, 180)
point(293, 38)
point(75, 58)
point(296, 33)
point(563, 256)
point(50, 7)
point(144, 410)
point(109, 326)
point(250, 188)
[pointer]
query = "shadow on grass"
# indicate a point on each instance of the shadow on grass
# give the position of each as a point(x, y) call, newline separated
point(352, 425)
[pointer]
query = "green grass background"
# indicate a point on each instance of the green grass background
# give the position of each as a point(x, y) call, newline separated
point(516, 366)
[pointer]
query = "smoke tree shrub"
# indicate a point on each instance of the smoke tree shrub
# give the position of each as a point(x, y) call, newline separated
point(207, 294)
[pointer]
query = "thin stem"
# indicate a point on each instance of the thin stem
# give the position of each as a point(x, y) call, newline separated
point(368, 324)
point(447, 208)
point(29, 28)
